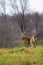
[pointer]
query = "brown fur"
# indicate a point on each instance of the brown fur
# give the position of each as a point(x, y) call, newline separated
point(29, 40)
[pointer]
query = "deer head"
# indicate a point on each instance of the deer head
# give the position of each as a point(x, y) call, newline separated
point(22, 33)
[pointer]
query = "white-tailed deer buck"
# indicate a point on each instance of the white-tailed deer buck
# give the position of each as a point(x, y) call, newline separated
point(29, 40)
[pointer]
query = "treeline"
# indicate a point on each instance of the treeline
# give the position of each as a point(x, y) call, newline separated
point(9, 28)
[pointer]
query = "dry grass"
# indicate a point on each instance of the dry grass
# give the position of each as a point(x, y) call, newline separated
point(22, 56)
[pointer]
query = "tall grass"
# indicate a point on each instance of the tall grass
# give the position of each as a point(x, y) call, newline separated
point(21, 56)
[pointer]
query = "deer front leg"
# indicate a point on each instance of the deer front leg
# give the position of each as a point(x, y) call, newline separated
point(31, 43)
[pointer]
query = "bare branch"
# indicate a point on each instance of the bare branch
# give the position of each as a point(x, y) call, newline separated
point(20, 11)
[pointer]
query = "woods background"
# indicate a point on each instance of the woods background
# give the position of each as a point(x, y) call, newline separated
point(9, 28)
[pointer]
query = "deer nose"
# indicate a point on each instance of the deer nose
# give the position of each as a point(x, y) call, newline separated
point(22, 35)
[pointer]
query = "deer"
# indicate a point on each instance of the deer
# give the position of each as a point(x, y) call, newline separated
point(28, 40)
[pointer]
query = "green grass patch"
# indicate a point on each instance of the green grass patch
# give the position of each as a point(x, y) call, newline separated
point(22, 56)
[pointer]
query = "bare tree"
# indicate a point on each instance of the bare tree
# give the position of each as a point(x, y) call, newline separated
point(2, 9)
point(20, 10)
point(37, 21)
